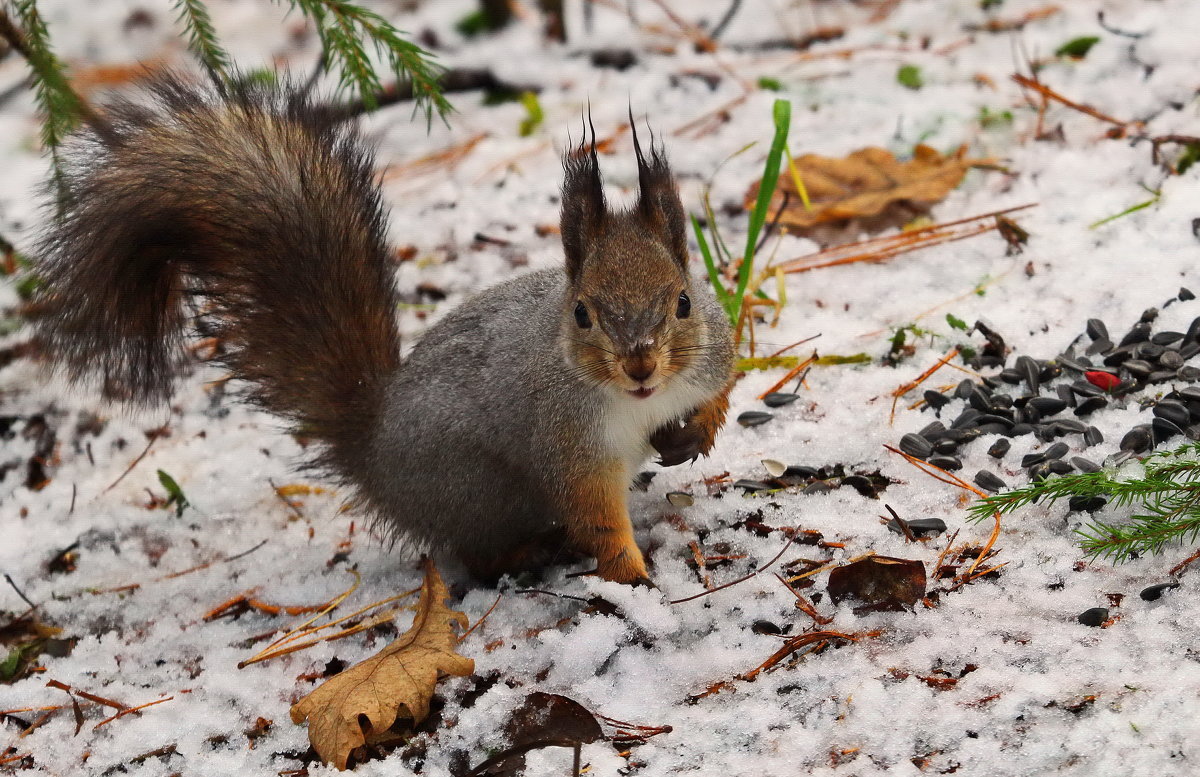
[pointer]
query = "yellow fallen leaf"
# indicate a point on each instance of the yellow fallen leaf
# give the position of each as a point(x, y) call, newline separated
point(367, 698)
point(867, 185)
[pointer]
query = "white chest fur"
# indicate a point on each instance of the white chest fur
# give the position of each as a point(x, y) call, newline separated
point(629, 421)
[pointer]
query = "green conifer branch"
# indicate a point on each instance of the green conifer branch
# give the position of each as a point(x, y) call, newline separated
point(1166, 495)
point(202, 38)
point(343, 27)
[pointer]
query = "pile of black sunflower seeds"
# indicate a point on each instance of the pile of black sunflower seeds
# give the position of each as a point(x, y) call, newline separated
point(1055, 398)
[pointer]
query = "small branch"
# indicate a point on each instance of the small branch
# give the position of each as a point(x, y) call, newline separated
point(730, 12)
point(1049, 93)
point(454, 80)
point(791, 539)
point(134, 463)
point(20, 593)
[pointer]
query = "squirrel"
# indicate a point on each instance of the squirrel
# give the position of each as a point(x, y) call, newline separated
point(515, 426)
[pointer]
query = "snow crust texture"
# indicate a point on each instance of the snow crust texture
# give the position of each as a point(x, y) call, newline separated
point(1035, 691)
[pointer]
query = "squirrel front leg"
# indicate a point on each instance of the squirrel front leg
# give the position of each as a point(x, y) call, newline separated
point(597, 518)
point(677, 444)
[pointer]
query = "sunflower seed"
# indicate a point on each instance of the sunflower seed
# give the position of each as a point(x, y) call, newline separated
point(936, 399)
point(964, 389)
point(1081, 364)
point(1189, 373)
point(1138, 333)
point(1085, 389)
point(988, 481)
point(1010, 376)
point(1092, 436)
point(1154, 592)
point(1030, 372)
point(1173, 410)
point(1033, 459)
point(999, 448)
point(1149, 315)
point(1057, 450)
point(1193, 331)
point(1117, 459)
point(966, 418)
point(820, 487)
point(1149, 351)
point(1065, 394)
point(1096, 616)
point(774, 468)
point(1185, 295)
point(1060, 467)
point(1069, 426)
point(1086, 504)
point(1119, 355)
point(1048, 406)
point(945, 447)
point(1171, 360)
point(1166, 338)
point(950, 463)
point(1049, 372)
point(927, 526)
point(1138, 367)
point(979, 400)
point(1158, 376)
point(754, 418)
point(1020, 429)
point(1137, 439)
point(1190, 393)
point(1101, 346)
point(778, 399)
point(751, 485)
point(800, 472)
point(1085, 465)
point(1096, 329)
point(680, 499)
point(916, 445)
point(933, 431)
point(1164, 430)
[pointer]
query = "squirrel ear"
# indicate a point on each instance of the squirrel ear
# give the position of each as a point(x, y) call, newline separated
point(583, 207)
point(658, 201)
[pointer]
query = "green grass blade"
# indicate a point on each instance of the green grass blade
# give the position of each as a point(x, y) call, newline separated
point(714, 276)
point(782, 113)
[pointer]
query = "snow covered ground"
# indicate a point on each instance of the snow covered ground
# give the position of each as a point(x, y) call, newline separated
point(1036, 692)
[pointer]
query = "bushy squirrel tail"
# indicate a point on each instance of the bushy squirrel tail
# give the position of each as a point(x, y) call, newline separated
point(251, 216)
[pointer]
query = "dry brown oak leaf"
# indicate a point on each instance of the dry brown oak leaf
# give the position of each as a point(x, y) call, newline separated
point(866, 185)
point(399, 680)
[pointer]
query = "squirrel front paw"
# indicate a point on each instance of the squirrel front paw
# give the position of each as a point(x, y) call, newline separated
point(626, 568)
point(677, 443)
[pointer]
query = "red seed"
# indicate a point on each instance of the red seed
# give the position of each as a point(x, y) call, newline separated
point(1104, 380)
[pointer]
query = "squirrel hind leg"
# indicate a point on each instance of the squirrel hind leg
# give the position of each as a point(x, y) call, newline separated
point(530, 554)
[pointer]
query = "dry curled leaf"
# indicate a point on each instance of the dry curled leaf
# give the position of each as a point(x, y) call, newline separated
point(869, 185)
point(366, 699)
point(879, 582)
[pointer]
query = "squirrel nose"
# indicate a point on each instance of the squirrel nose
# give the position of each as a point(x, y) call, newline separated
point(640, 367)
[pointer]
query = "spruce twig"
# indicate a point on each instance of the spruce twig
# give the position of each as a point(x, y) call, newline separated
point(343, 27)
point(1165, 497)
point(202, 39)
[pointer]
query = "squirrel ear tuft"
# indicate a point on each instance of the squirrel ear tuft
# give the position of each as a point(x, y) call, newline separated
point(584, 210)
point(658, 203)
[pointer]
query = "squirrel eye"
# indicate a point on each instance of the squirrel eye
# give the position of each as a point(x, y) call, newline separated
point(581, 316)
point(685, 306)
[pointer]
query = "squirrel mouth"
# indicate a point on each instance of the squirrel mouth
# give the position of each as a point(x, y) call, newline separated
point(641, 393)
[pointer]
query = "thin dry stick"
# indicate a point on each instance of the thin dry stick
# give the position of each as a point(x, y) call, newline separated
point(787, 348)
point(132, 710)
point(791, 374)
point(955, 480)
point(901, 245)
point(89, 696)
point(791, 539)
point(1049, 93)
point(887, 239)
point(907, 387)
point(482, 618)
point(135, 462)
point(925, 467)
